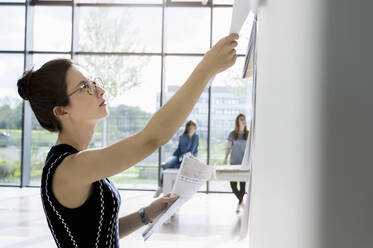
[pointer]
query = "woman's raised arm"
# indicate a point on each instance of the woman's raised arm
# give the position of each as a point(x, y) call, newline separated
point(93, 164)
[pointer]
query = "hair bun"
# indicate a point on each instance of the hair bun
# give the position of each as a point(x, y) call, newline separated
point(24, 83)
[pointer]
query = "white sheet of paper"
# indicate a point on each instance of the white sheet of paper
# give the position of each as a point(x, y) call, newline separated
point(240, 12)
point(191, 176)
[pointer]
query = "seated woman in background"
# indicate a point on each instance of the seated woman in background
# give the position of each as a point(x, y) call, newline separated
point(236, 148)
point(188, 144)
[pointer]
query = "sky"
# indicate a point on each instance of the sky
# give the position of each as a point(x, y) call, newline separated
point(187, 31)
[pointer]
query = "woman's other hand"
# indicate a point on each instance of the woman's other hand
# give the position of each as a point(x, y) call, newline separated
point(159, 205)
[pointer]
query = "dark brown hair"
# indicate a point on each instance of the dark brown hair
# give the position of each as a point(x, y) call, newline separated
point(45, 89)
point(237, 128)
point(188, 124)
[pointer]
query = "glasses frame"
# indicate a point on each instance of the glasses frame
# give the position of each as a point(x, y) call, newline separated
point(90, 85)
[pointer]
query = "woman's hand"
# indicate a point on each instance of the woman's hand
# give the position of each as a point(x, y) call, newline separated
point(221, 56)
point(159, 205)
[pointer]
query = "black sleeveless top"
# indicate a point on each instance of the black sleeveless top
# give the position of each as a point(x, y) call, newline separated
point(94, 224)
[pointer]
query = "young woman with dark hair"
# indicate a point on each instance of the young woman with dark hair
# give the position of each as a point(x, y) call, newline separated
point(236, 148)
point(81, 205)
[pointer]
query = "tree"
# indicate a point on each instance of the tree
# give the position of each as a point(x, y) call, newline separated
point(103, 31)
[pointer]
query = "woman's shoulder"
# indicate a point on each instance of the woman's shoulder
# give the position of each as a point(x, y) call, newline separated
point(58, 152)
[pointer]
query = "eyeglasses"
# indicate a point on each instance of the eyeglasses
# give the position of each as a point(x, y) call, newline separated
point(90, 85)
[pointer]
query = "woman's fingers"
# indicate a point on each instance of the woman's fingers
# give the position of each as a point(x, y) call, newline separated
point(222, 55)
point(168, 199)
point(229, 41)
point(232, 52)
point(234, 44)
point(231, 37)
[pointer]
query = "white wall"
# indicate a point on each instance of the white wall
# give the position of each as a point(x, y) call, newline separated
point(313, 164)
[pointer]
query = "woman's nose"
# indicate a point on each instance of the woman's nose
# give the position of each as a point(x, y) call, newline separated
point(100, 91)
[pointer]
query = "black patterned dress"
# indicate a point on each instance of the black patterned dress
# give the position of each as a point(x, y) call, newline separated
point(92, 225)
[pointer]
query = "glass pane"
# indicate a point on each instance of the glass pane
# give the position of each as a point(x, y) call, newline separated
point(132, 85)
point(10, 119)
point(121, 1)
point(187, 30)
point(52, 28)
point(177, 71)
point(221, 24)
point(230, 97)
point(41, 139)
point(103, 29)
point(12, 28)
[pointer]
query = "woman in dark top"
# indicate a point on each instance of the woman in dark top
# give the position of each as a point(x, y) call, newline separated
point(236, 148)
point(81, 205)
point(188, 144)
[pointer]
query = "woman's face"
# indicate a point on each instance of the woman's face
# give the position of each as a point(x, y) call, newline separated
point(83, 106)
point(242, 121)
point(192, 129)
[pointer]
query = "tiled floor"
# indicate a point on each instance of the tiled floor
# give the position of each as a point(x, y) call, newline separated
point(205, 221)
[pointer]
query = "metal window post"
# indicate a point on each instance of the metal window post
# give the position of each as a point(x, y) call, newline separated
point(26, 108)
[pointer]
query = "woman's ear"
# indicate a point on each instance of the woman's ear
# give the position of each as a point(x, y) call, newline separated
point(60, 112)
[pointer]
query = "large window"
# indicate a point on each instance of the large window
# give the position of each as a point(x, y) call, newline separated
point(144, 50)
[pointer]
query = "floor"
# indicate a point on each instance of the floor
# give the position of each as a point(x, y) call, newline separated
point(207, 220)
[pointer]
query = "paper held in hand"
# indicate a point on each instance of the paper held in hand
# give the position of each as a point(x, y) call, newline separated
point(191, 176)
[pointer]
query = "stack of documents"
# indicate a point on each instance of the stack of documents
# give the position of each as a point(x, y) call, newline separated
point(191, 176)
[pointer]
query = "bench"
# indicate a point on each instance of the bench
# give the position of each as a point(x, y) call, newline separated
point(223, 173)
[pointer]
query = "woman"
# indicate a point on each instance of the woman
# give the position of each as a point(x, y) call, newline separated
point(81, 205)
point(188, 144)
point(236, 148)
